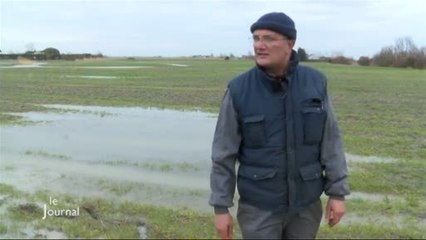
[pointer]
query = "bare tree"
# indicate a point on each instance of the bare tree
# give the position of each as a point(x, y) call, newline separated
point(404, 53)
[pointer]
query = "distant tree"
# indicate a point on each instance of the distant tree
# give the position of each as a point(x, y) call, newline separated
point(384, 58)
point(99, 55)
point(420, 58)
point(29, 55)
point(404, 54)
point(364, 61)
point(341, 60)
point(324, 59)
point(51, 53)
point(303, 56)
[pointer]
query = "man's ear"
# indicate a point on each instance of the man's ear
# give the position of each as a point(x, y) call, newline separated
point(291, 43)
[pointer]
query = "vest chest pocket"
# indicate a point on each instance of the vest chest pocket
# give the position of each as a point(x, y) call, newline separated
point(253, 131)
point(313, 123)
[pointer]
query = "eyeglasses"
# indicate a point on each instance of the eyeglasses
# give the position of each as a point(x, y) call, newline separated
point(267, 39)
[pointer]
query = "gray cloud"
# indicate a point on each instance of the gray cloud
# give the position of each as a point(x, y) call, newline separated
point(187, 27)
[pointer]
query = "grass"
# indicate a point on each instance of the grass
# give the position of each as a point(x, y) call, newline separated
point(400, 178)
point(110, 219)
point(200, 85)
point(47, 155)
point(165, 167)
point(380, 110)
point(381, 113)
point(103, 218)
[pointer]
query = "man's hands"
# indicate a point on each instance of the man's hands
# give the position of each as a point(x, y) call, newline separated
point(334, 211)
point(224, 225)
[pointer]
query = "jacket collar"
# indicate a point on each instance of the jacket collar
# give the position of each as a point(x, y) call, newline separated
point(273, 81)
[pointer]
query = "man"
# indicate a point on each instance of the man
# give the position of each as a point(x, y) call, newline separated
point(277, 120)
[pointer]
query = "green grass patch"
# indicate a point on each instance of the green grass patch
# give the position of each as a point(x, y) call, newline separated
point(10, 191)
point(100, 218)
point(3, 228)
point(398, 178)
point(370, 231)
point(408, 206)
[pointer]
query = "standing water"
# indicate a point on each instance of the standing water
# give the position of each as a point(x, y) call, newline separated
point(143, 154)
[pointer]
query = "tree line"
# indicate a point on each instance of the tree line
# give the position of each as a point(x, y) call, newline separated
point(49, 54)
point(403, 54)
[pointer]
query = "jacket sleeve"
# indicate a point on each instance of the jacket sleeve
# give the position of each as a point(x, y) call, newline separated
point(333, 156)
point(226, 143)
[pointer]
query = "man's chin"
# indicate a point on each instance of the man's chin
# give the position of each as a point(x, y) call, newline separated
point(262, 62)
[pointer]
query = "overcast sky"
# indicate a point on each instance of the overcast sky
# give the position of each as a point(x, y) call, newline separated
point(189, 27)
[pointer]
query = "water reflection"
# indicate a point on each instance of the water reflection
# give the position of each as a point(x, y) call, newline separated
point(150, 153)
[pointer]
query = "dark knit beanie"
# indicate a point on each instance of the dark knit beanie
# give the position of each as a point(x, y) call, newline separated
point(277, 22)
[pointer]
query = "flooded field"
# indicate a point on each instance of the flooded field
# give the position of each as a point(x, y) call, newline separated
point(147, 155)
point(142, 155)
point(119, 158)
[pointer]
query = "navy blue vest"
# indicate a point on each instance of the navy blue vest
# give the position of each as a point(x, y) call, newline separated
point(282, 130)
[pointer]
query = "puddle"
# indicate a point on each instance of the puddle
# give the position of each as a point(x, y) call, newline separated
point(145, 155)
point(398, 221)
point(37, 65)
point(369, 159)
point(178, 65)
point(114, 67)
point(30, 232)
point(142, 232)
point(91, 77)
point(30, 65)
point(373, 197)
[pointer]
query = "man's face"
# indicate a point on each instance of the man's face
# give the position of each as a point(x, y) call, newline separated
point(272, 50)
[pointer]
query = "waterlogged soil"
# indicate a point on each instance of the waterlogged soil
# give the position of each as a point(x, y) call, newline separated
point(146, 155)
